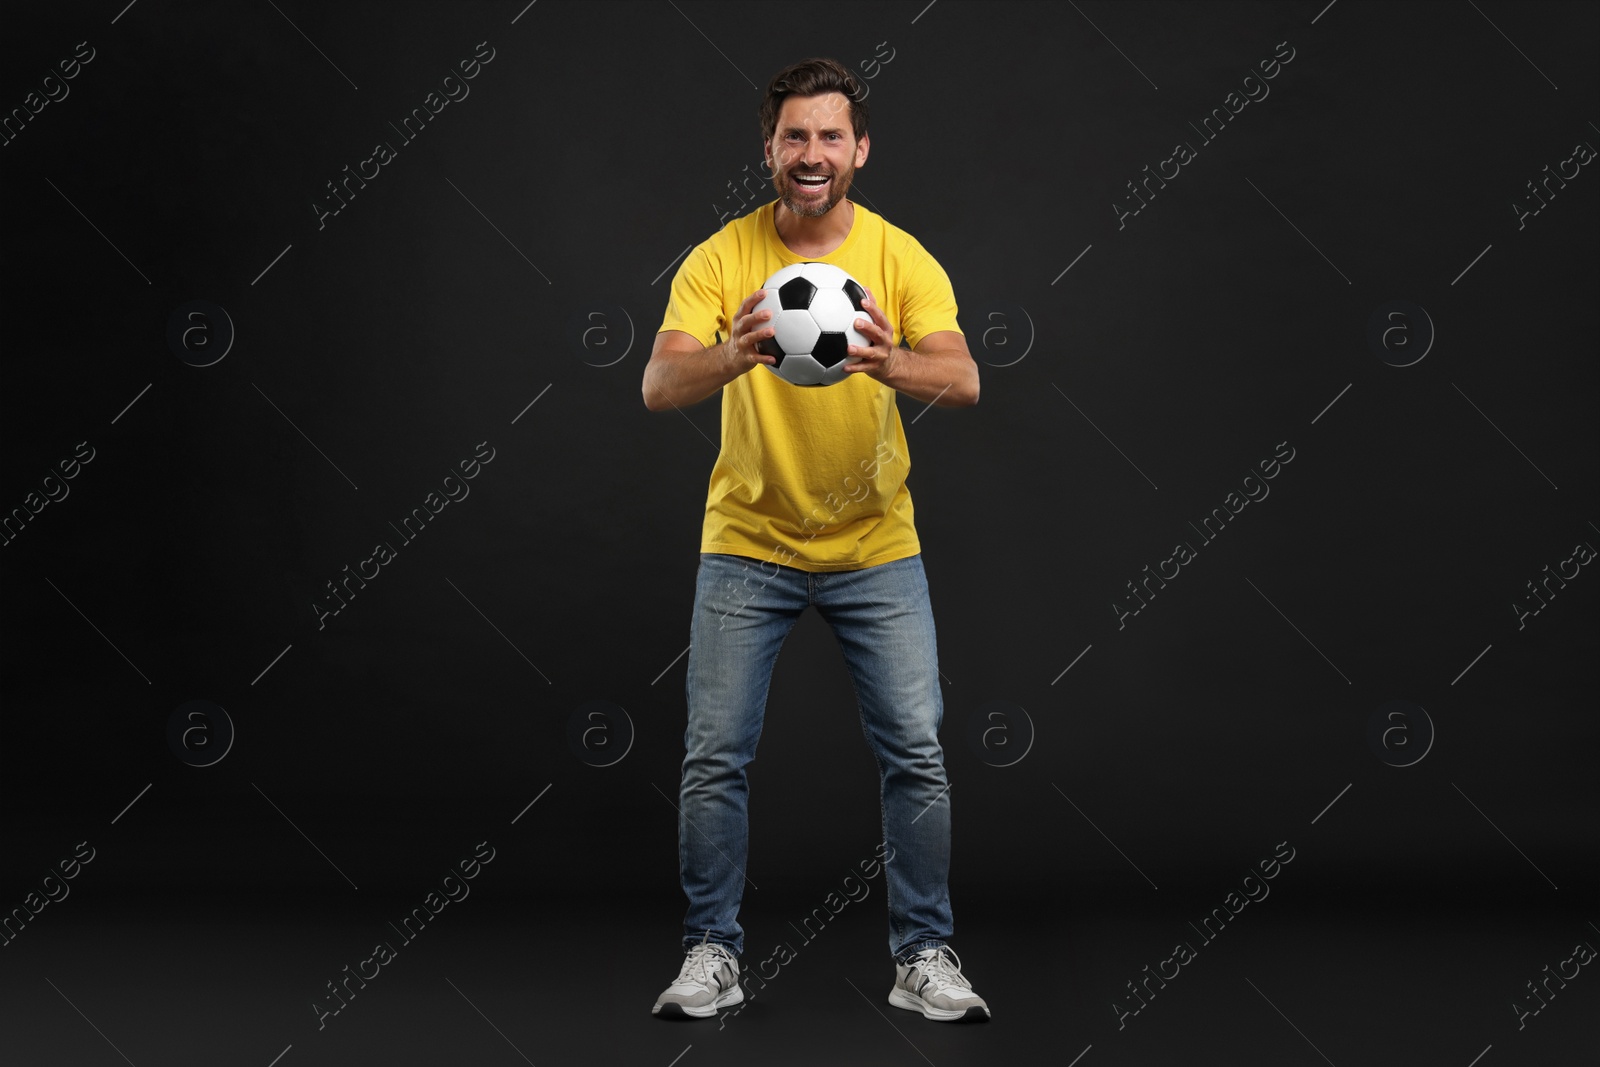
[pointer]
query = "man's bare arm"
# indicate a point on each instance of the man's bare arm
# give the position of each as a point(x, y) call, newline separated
point(681, 372)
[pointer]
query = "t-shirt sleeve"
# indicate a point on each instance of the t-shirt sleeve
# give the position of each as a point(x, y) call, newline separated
point(695, 304)
point(930, 301)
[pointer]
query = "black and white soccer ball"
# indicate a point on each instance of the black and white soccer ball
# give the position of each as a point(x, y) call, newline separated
point(814, 306)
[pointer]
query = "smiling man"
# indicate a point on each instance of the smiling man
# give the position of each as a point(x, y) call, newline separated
point(808, 508)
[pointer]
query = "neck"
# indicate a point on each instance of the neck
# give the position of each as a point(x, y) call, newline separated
point(828, 230)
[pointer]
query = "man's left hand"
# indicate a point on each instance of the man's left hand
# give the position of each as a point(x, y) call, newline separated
point(881, 358)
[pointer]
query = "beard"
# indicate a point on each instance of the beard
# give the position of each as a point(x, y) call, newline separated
point(808, 206)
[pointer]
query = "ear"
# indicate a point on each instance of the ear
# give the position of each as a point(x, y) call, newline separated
point(862, 147)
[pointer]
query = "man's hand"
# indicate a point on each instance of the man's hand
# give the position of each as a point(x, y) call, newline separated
point(881, 358)
point(939, 370)
point(749, 329)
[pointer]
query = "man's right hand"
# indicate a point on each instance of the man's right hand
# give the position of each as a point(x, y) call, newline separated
point(681, 372)
point(749, 329)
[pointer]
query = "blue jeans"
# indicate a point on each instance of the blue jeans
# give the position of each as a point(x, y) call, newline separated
point(881, 616)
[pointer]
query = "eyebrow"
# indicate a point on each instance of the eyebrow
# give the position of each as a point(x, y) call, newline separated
point(801, 129)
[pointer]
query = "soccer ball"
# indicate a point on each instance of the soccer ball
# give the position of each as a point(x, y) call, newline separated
point(814, 308)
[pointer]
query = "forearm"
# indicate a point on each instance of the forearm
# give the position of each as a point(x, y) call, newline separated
point(678, 379)
point(947, 378)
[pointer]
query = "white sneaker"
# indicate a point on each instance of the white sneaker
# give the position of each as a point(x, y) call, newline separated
point(933, 984)
point(708, 980)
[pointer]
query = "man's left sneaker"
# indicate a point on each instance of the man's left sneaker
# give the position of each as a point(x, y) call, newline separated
point(931, 982)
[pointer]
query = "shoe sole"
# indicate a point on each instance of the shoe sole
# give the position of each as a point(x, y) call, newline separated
point(900, 998)
point(674, 1010)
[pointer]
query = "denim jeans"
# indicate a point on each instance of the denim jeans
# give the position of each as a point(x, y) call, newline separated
point(881, 616)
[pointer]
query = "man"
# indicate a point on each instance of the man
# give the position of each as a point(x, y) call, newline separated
point(808, 507)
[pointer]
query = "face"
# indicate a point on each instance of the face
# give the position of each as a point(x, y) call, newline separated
point(814, 138)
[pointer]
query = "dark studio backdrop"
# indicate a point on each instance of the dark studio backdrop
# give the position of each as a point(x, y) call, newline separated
point(1194, 245)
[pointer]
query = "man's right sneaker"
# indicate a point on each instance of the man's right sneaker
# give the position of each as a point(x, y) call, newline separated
point(709, 980)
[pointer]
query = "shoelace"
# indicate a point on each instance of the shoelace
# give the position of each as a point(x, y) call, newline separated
point(701, 960)
point(942, 968)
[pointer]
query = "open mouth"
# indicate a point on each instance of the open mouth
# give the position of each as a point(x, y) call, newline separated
point(812, 182)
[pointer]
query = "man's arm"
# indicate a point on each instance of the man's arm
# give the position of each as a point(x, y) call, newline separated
point(939, 371)
point(682, 372)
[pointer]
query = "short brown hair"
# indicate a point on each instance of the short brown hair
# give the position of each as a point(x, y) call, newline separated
point(814, 77)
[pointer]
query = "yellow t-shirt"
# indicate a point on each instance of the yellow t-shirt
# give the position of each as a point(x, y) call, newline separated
point(810, 477)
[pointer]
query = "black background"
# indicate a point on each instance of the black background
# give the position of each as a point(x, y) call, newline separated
point(520, 250)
